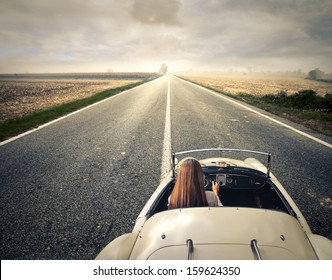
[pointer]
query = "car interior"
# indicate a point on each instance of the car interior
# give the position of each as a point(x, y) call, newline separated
point(239, 187)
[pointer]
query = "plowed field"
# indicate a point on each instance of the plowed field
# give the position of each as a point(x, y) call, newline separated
point(22, 96)
point(260, 85)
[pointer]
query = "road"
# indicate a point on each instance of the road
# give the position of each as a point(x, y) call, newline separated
point(69, 188)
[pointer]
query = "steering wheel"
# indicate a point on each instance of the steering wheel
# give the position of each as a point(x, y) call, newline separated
point(207, 182)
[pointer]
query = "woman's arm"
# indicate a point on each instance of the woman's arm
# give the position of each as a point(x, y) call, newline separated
point(215, 188)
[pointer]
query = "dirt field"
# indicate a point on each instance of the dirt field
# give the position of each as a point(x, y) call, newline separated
point(256, 85)
point(19, 97)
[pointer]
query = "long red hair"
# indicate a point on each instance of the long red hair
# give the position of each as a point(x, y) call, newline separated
point(189, 189)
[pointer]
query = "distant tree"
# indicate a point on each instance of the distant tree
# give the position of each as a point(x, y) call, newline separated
point(163, 69)
point(315, 74)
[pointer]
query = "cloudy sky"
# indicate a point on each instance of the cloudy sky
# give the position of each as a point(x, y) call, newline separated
point(140, 35)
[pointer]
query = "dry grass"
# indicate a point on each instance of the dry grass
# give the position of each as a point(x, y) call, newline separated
point(20, 97)
point(260, 85)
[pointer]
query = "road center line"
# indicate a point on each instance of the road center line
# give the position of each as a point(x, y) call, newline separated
point(265, 116)
point(166, 157)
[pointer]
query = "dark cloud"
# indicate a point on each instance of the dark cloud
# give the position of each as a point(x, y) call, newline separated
point(156, 11)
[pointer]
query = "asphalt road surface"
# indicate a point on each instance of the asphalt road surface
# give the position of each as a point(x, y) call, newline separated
point(68, 189)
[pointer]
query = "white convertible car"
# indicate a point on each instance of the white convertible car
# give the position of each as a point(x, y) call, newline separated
point(258, 219)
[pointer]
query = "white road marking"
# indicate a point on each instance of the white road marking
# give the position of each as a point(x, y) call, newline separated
point(265, 116)
point(66, 116)
point(166, 157)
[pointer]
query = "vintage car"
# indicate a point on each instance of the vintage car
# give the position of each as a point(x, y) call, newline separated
point(258, 219)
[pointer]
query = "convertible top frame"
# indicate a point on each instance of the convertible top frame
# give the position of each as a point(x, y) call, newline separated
point(268, 166)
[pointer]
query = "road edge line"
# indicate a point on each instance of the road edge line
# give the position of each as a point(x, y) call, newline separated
point(263, 115)
point(65, 116)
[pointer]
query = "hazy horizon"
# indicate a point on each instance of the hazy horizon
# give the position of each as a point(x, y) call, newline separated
point(240, 36)
point(188, 72)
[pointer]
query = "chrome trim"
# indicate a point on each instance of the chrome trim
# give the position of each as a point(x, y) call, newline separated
point(190, 250)
point(255, 250)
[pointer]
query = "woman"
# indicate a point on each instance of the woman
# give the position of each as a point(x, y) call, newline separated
point(189, 188)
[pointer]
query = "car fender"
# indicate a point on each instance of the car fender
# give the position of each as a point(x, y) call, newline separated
point(322, 246)
point(119, 249)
